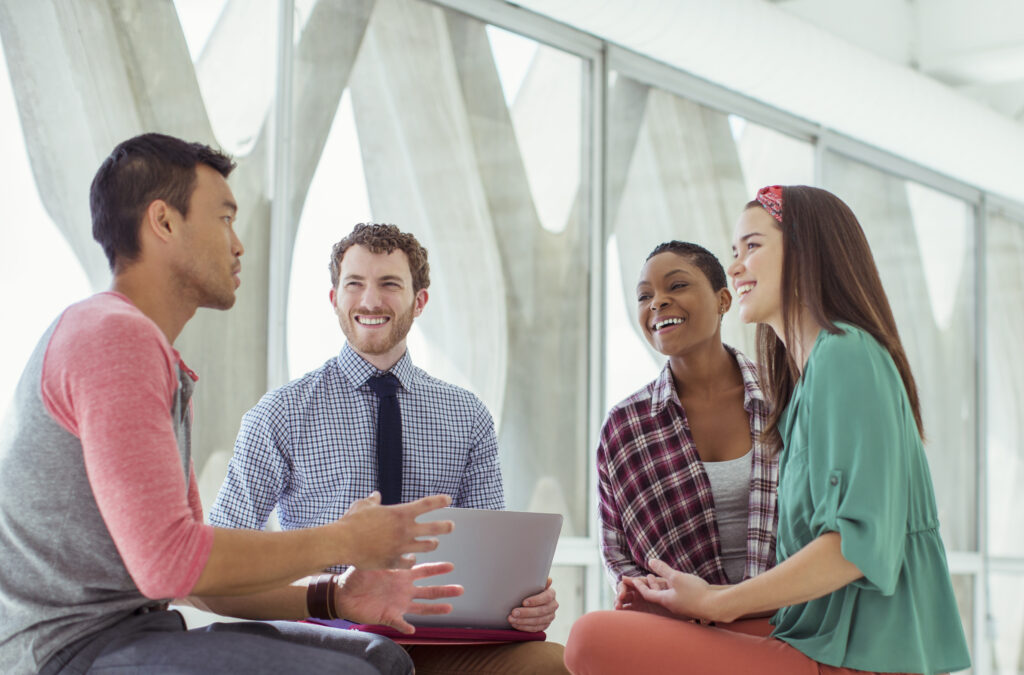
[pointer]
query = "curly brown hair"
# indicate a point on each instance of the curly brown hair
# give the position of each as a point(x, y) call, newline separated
point(383, 238)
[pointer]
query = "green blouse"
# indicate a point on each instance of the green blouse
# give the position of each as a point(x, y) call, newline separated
point(853, 463)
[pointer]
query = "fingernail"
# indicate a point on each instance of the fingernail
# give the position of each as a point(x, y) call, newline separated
point(515, 612)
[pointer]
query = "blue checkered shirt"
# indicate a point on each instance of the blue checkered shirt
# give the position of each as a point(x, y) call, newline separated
point(309, 448)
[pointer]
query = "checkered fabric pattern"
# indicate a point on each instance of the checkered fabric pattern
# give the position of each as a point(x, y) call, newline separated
point(655, 498)
point(309, 448)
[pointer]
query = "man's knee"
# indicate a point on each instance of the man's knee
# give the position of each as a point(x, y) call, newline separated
point(387, 656)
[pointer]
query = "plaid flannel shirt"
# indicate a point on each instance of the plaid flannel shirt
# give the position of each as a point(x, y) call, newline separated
point(655, 497)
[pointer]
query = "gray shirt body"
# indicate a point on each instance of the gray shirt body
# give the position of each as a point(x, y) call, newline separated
point(61, 577)
point(730, 488)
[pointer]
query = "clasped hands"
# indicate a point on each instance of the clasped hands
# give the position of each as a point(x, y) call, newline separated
point(379, 587)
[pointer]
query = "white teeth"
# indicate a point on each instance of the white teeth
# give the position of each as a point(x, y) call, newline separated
point(375, 321)
point(666, 322)
point(744, 289)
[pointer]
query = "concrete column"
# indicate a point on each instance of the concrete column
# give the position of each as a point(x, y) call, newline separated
point(88, 75)
point(684, 182)
point(422, 175)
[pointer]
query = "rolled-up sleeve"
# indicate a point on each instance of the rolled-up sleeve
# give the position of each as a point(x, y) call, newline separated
point(856, 466)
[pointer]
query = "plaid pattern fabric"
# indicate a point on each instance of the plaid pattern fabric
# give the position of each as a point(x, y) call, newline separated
point(310, 447)
point(654, 496)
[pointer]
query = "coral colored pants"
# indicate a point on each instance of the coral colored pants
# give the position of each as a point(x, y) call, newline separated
point(617, 642)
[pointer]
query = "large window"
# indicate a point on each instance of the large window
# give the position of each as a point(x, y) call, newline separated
point(539, 190)
point(35, 293)
point(677, 170)
point(1004, 264)
point(475, 140)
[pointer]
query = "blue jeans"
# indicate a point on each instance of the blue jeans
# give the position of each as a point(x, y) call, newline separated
point(159, 643)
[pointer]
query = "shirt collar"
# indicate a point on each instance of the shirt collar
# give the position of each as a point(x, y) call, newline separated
point(358, 370)
point(665, 388)
point(752, 396)
point(664, 391)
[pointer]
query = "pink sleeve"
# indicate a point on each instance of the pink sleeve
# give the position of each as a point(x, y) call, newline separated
point(194, 501)
point(112, 386)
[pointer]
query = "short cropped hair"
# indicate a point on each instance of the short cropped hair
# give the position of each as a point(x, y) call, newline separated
point(138, 171)
point(382, 238)
point(705, 260)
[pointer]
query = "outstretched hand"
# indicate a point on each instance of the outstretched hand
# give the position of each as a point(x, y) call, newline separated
point(383, 596)
point(375, 536)
point(684, 595)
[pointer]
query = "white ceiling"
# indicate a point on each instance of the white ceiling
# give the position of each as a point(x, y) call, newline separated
point(975, 47)
point(868, 70)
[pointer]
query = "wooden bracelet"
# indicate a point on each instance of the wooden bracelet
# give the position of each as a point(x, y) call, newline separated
point(319, 597)
point(332, 601)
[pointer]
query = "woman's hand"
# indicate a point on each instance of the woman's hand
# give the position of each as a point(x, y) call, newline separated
point(683, 595)
point(629, 597)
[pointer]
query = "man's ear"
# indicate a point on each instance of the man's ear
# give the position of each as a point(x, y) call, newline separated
point(420, 301)
point(157, 219)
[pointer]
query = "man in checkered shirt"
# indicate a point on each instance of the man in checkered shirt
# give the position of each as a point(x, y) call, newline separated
point(309, 448)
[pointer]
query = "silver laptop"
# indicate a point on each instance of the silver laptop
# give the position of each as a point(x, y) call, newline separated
point(501, 558)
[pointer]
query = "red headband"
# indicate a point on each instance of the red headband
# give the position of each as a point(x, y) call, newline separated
point(771, 199)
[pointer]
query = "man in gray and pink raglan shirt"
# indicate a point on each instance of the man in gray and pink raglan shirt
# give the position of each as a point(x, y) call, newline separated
point(100, 519)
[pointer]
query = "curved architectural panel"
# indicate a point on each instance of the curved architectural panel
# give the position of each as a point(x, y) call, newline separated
point(682, 180)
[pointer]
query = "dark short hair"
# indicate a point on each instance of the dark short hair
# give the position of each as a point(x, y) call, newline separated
point(705, 260)
point(139, 170)
point(381, 238)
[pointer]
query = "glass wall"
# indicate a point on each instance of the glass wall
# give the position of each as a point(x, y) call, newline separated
point(480, 139)
point(1004, 266)
point(1007, 617)
point(677, 170)
point(473, 139)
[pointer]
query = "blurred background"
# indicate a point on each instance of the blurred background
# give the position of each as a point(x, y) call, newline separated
point(540, 150)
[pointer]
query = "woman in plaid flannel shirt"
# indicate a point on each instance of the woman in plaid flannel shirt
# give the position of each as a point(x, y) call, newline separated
point(681, 474)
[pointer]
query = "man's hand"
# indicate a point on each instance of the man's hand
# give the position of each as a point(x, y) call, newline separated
point(383, 596)
point(537, 611)
point(376, 536)
point(629, 597)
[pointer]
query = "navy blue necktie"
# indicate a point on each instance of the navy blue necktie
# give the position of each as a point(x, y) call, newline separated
point(389, 438)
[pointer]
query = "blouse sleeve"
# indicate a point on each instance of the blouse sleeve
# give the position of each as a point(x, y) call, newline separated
point(856, 454)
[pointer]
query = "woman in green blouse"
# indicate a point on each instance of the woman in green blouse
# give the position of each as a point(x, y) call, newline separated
point(862, 581)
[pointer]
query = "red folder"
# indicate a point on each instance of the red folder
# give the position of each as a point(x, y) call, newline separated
point(433, 635)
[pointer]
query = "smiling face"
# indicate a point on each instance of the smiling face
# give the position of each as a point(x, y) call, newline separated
point(208, 266)
point(756, 270)
point(676, 306)
point(375, 303)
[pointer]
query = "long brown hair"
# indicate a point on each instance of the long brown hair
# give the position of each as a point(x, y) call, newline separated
point(828, 268)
